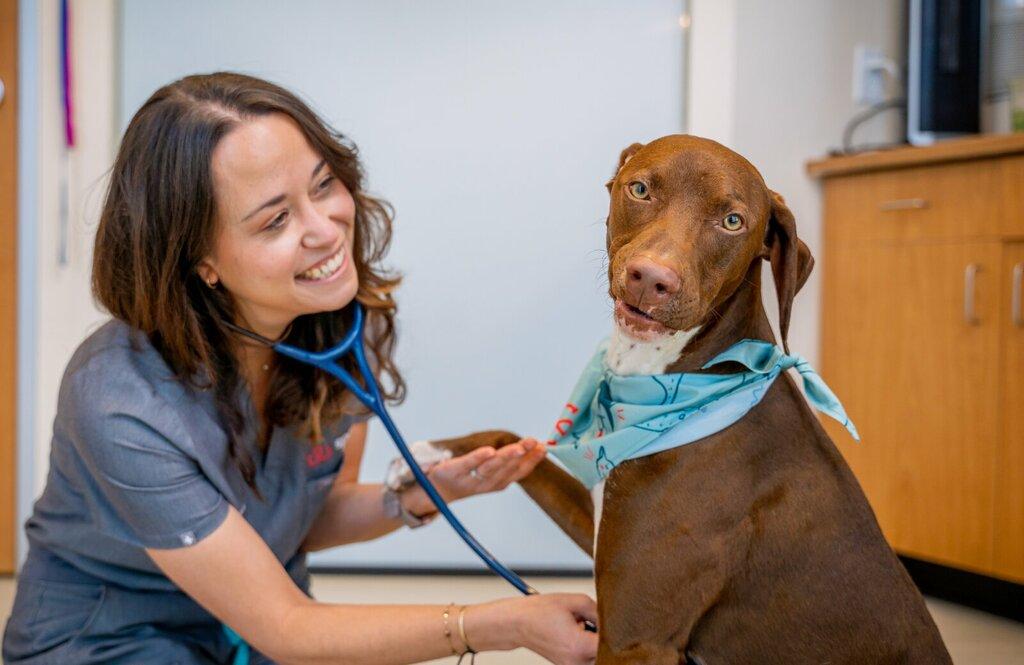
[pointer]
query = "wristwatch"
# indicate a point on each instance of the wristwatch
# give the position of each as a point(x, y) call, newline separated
point(394, 509)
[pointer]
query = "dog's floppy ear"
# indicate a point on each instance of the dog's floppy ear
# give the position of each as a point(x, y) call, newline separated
point(790, 258)
point(624, 157)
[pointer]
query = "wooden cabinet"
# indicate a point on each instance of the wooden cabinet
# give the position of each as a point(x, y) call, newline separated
point(1008, 553)
point(923, 341)
point(8, 281)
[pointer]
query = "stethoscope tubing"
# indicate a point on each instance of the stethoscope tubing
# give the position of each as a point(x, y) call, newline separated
point(370, 396)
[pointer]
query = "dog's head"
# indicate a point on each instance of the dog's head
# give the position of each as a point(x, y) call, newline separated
point(688, 218)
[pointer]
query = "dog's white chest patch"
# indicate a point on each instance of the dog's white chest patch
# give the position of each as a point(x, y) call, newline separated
point(626, 356)
point(597, 495)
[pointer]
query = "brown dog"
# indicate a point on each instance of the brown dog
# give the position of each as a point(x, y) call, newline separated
point(755, 544)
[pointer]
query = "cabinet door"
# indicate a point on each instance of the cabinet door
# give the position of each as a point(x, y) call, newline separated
point(919, 375)
point(1009, 466)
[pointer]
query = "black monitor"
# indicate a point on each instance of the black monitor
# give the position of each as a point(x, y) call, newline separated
point(944, 68)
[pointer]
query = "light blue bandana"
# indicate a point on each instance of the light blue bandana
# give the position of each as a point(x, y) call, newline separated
point(611, 418)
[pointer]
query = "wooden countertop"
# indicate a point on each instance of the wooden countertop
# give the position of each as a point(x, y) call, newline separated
point(953, 150)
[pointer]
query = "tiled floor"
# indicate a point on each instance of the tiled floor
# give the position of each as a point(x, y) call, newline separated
point(973, 638)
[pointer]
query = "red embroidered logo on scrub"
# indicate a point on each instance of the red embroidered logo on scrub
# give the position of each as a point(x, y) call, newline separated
point(319, 454)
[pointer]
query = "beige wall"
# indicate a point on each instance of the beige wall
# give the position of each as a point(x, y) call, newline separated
point(773, 81)
point(65, 310)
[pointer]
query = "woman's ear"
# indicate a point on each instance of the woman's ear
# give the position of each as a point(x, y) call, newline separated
point(207, 273)
point(624, 157)
point(790, 258)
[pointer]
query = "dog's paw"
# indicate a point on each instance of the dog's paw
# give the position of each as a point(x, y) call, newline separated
point(399, 475)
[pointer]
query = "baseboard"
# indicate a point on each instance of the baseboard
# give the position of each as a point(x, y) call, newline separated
point(981, 592)
point(461, 572)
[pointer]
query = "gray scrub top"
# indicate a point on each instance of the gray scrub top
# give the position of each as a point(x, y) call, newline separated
point(139, 460)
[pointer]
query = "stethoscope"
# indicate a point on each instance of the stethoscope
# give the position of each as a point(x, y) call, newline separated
point(326, 360)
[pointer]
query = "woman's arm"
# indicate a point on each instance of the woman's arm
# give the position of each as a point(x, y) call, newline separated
point(234, 575)
point(354, 512)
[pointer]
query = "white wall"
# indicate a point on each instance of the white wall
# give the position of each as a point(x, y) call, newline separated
point(772, 80)
point(56, 310)
point(492, 128)
point(711, 78)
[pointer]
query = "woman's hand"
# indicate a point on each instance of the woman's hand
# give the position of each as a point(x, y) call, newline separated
point(478, 472)
point(547, 624)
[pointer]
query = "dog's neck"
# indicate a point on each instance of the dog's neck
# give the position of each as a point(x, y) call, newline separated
point(740, 316)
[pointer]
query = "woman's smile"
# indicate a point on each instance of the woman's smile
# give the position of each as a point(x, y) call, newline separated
point(326, 270)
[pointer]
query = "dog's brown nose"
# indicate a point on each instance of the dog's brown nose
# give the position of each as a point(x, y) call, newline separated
point(649, 282)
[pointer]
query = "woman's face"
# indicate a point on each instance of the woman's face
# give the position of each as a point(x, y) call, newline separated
point(283, 243)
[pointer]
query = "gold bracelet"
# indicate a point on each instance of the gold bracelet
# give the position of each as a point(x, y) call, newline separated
point(447, 629)
point(462, 631)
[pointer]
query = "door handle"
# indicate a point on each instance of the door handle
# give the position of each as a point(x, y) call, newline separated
point(970, 272)
point(1016, 295)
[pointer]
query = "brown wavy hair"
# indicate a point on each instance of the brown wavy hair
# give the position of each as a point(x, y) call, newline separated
point(158, 222)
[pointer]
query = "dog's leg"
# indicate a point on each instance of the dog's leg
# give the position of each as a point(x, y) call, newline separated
point(647, 612)
point(662, 563)
point(564, 499)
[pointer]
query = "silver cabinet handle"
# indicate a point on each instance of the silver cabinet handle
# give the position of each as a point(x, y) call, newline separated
point(903, 204)
point(1016, 295)
point(970, 272)
point(2, 91)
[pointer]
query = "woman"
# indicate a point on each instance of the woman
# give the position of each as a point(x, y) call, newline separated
point(191, 469)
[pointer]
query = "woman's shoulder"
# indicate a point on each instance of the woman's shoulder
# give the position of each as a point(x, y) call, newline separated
point(116, 350)
point(117, 369)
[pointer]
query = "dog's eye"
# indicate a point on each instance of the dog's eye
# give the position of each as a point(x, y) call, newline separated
point(732, 222)
point(639, 191)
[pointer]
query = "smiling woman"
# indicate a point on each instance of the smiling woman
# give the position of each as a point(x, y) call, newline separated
point(192, 470)
point(276, 258)
point(248, 141)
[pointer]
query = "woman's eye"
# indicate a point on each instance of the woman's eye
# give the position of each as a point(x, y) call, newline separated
point(639, 190)
point(276, 222)
point(732, 222)
point(326, 182)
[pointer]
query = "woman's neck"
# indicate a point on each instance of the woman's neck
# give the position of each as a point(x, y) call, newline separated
point(255, 360)
point(254, 364)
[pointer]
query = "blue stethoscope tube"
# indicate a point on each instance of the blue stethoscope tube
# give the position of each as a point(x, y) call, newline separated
point(327, 361)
